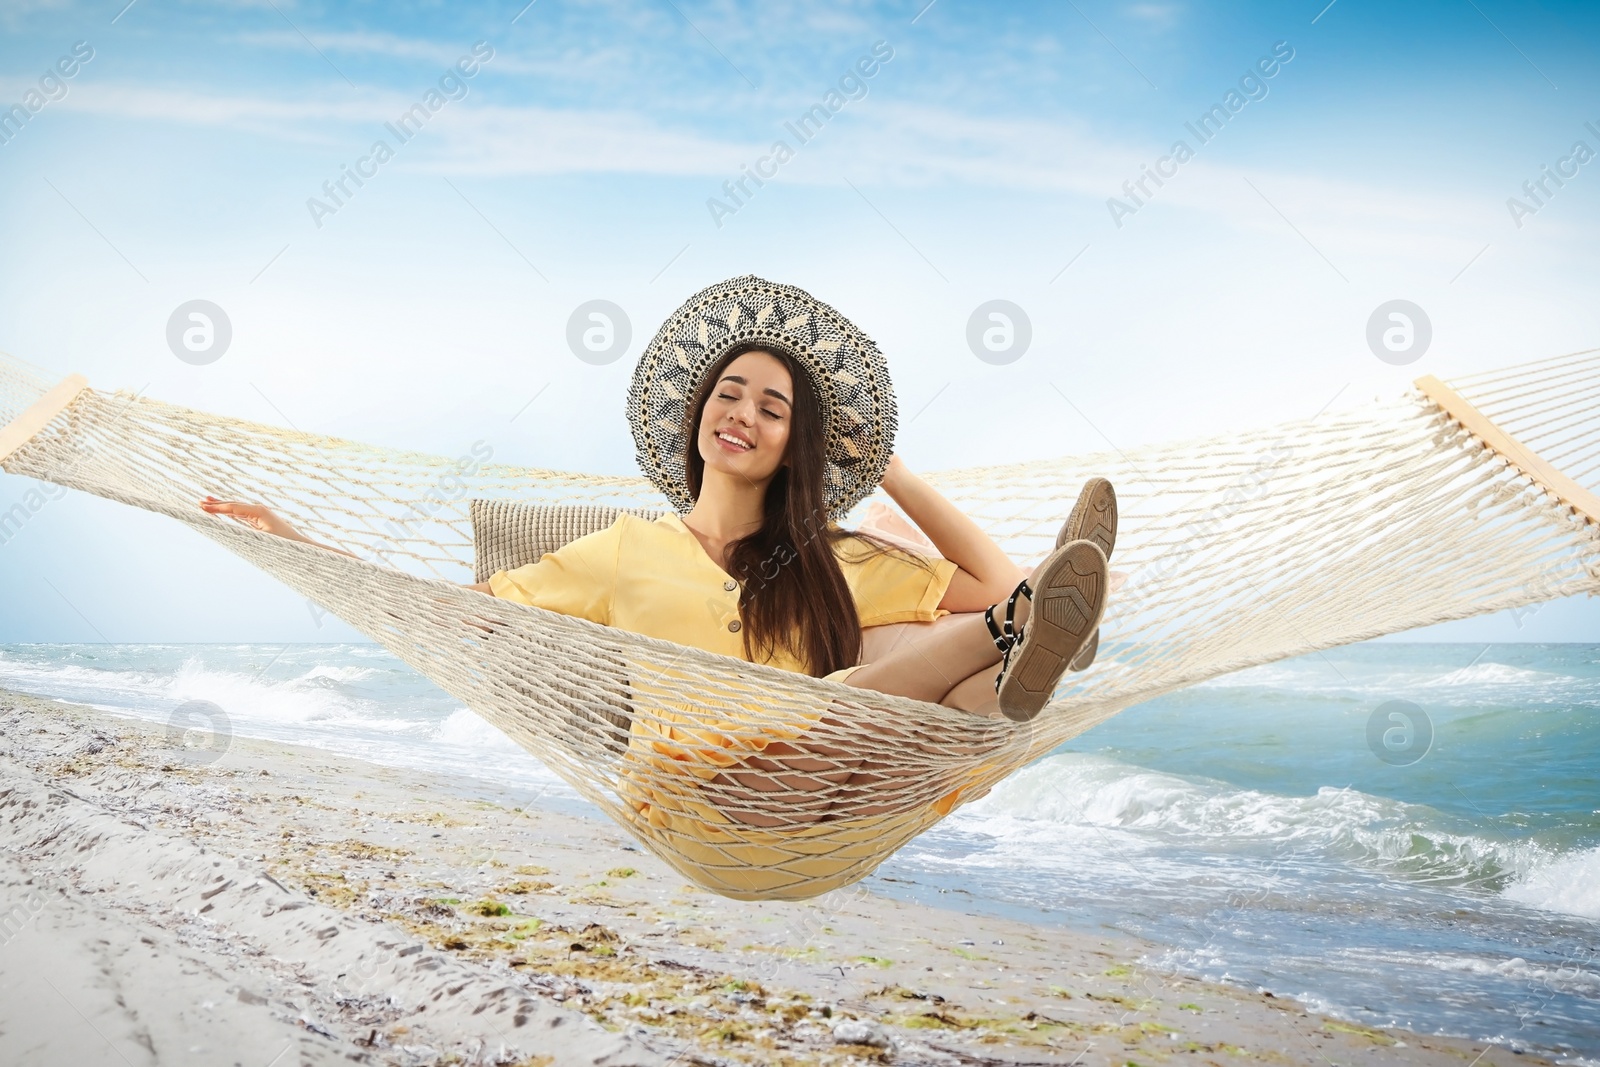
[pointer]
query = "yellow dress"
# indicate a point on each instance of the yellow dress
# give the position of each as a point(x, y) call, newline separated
point(655, 578)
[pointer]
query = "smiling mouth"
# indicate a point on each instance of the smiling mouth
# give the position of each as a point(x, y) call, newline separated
point(734, 442)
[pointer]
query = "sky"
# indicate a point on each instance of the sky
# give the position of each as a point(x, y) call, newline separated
point(974, 152)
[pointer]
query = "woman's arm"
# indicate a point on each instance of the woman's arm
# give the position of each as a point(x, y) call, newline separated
point(258, 517)
point(986, 573)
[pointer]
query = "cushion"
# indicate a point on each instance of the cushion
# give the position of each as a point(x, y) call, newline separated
point(507, 534)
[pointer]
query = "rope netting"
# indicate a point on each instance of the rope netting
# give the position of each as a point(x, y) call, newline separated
point(1241, 549)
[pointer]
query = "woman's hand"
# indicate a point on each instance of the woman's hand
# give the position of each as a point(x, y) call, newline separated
point(256, 516)
point(260, 517)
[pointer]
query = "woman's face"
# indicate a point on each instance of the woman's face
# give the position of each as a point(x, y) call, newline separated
point(744, 429)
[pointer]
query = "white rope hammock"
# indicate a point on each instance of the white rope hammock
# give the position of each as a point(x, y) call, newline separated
point(1241, 549)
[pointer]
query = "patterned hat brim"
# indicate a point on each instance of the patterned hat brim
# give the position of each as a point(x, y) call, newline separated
point(849, 375)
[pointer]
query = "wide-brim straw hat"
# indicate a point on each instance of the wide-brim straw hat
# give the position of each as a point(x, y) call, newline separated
point(848, 375)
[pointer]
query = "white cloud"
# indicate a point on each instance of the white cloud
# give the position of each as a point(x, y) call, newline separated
point(496, 140)
point(308, 120)
point(873, 142)
point(13, 12)
point(437, 53)
point(462, 138)
point(1158, 16)
point(363, 43)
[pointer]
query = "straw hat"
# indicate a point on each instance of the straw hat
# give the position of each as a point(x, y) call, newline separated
point(847, 371)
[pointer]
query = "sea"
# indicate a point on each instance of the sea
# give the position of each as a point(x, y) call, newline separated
point(1393, 834)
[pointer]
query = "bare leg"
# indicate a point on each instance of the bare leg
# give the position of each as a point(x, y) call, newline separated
point(974, 693)
point(947, 655)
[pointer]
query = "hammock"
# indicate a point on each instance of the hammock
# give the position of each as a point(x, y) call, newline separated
point(1242, 549)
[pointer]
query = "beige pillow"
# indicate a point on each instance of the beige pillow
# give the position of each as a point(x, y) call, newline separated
point(507, 534)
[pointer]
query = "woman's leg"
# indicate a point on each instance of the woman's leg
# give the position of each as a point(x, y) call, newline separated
point(974, 693)
point(949, 664)
point(947, 655)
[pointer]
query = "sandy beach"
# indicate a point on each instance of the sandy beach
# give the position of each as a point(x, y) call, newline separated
point(275, 905)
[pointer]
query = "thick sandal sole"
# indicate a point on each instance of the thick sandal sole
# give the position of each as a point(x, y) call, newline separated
point(1069, 594)
point(1093, 518)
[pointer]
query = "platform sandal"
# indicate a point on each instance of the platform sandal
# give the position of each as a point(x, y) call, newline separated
point(1067, 593)
point(1093, 518)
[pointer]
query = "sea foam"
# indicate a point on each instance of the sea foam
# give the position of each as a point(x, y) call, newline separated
point(1568, 883)
point(1063, 795)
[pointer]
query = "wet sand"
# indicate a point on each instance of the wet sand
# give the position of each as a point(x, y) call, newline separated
point(280, 905)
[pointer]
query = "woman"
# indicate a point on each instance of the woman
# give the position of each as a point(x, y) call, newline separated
point(763, 414)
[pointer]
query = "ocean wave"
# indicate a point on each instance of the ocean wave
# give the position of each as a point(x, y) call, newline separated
point(1078, 791)
point(254, 698)
point(320, 695)
point(1267, 676)
point(1319, 677)
point(1575, 975)
point(468, 729)
point(1499, 674)
point(1567, 883)
point(345, 675)
point(72, 678)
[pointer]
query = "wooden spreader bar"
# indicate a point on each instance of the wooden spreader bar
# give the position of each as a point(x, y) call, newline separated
point(1515, 452)
point(23, 428)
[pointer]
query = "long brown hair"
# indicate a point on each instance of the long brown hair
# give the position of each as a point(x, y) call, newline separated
point(794, 596)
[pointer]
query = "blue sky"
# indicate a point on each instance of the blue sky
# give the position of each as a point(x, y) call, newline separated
point(576, 163)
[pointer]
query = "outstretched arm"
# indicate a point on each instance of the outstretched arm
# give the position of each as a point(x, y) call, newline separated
point(986, 573)
point(259, 517)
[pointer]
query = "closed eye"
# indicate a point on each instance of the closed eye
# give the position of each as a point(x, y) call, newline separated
point(768, 412)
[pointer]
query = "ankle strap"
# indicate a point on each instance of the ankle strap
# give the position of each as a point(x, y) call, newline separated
point(1008, 633)
point(1007, 636)
point(1022, 589)
point(1003, 640)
